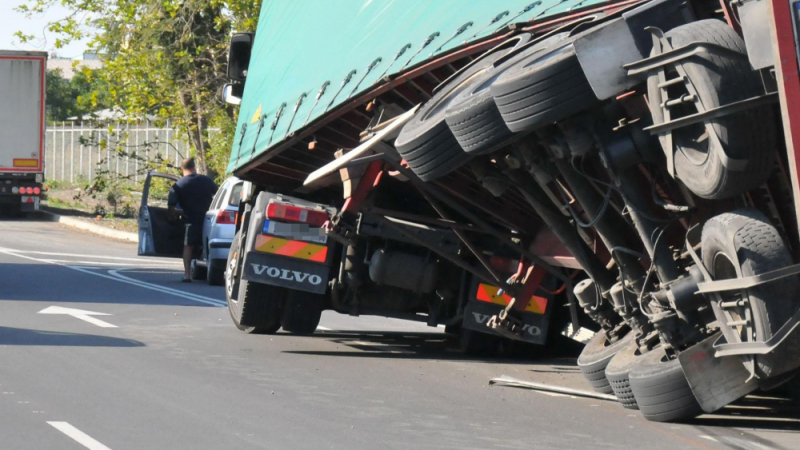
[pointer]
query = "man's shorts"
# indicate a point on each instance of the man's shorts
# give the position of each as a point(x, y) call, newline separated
point(194, 234)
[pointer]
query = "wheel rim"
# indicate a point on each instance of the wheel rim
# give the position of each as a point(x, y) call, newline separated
point(229, 274)
point(725, 269)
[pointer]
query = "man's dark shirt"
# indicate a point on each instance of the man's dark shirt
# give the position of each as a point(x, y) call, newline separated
point(194, 194)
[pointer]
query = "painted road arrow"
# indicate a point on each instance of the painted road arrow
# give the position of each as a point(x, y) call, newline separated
point(86, 316)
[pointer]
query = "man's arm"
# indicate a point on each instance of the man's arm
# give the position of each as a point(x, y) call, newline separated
point(172, 201)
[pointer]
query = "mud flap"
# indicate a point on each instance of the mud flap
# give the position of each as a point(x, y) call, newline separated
point(286, 272)
point(488, 301)
point(715, 382)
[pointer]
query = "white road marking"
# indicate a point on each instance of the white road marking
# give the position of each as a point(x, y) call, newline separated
point(81, 314)
point(119, 264)
point(708, 437)
point(321, 328)
point(78, 436)
point(123, 279)
point(117, 258)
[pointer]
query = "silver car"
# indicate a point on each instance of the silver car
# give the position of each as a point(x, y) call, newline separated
point(219, 227)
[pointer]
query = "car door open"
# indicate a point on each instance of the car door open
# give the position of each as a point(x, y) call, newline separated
point(158, 235)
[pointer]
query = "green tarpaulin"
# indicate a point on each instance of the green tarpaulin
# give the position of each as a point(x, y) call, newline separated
point(301, 44)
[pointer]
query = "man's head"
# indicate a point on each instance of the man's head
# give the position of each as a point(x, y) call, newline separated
point(188, 167)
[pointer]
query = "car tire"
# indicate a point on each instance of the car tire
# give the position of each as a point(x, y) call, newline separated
point(426, 142)
point(215, 272)
point(595, 357)
point(255, 308)
point(301, 312)
point(543, 91)
point(196, 271)
point(743, 244)
point(473, 116)
point(618, 374)
point(661, 389)
point(747, 135)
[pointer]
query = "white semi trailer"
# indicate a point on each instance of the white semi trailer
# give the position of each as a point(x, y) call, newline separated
point(22, 122)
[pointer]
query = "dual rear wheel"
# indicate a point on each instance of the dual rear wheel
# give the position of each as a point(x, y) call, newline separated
point(258, 308)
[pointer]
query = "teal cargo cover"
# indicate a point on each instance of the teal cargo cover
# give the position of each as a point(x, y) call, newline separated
point(301, 44)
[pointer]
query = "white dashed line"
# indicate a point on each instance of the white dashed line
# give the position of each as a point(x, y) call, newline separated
point(78, 436)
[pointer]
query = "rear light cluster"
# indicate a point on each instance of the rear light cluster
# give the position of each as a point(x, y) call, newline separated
point(26, 190)
point(229, 217)
point(290, 213)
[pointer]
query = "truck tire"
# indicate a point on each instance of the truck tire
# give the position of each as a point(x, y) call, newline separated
point(618, 371)
point(661, 389)
point(475, 343)
point(215, 272)
point(740, 244)
point(473, 116)
point(543, 91)
point(748, 135)
point(595, 357)
point(426, 142)
point(254, 307)
point(301, 312)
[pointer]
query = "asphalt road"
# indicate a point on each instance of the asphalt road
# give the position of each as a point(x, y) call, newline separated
point(166, 369)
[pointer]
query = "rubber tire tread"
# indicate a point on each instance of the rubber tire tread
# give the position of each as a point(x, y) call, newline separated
point(255, 312)
point(749, 134)
point(215, 275)
point(759, 248)
point(530, 97)
point(595, 357)
point(661, 389)
point(301, 312)
point(618, 375)
point(473, 117)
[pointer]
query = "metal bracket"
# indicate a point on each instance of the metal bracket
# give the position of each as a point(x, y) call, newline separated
point(735, 284)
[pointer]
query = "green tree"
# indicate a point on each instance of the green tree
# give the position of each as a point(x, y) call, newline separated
point(83, 94)
point(164, 58)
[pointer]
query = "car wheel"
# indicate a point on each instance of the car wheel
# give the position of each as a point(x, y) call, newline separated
point(196, 271)
point(618, 374)
point(215, 273)
point(475, 343)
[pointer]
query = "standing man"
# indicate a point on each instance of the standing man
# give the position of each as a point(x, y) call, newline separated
point(194, 194)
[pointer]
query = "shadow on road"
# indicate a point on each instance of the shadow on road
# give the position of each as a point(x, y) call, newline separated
point(24, 336)
point(412, 345)
point(755, 412)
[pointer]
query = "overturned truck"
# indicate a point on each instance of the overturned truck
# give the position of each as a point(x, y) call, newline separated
point(491, 166)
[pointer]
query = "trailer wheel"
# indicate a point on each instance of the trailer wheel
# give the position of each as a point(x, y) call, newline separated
point(742, 244)
point(426, 142)
point(595, 357)
point(475, 343)
point(618, 371)
point(661, 389)
point(473, 116)
point(747, 135)
point(254, 307)
point(543, 91)
point(301, 312)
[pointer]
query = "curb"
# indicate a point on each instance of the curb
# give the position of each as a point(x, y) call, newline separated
point(90, 227)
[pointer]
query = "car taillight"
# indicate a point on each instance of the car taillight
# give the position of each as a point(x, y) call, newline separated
point(23, 190)
point(36, 191)
point(296, 214)
point(224, 216)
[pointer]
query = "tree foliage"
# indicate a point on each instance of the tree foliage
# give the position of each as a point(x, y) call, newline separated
point(163, 58)
point(84, 93)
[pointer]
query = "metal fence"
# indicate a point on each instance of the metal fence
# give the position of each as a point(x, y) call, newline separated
point(77, 151)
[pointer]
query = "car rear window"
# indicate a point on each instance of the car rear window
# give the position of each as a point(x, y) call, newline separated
point(236, 195)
